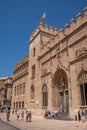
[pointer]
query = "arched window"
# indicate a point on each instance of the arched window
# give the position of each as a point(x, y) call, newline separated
point(33, 51)
point(15, 91)
point(23, 88)
point(33, 71)
point(44, 96)
point(32, 92)
point(83, 88)
point(22, 104)
point(20, 89)
point(16, 104)
point(19, 104)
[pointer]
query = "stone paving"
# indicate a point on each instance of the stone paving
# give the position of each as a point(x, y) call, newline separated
point(39, 123)
point(6, 126)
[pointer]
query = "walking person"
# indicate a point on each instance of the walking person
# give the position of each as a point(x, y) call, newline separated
point(56, 113)
point(83, 116)
point(18, 115)
point(79, 116)
point(8, 114)
point(22, 115)
point(29, 116)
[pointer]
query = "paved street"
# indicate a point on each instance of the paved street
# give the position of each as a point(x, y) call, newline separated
point(39, 123)
point(5, 126)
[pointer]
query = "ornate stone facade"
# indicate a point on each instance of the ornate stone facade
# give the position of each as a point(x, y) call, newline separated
point(56, 74)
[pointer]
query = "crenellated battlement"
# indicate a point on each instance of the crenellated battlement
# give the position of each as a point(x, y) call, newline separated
point(49, 29)
point(80, 18)
point(46, 29)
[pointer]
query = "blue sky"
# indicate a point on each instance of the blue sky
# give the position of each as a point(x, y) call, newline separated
point(18, 19)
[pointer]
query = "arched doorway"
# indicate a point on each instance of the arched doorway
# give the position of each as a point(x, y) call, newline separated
point(60, 91)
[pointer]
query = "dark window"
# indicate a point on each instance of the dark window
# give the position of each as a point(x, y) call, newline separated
point(14, 105)
point(83, 90)
point(20, 89)
point(22, 104)
point(45, 96)
point(32, 92)
point(15, 91)
point(19, 104)
point(23, 88)
point(33, 70)
point(34, 52)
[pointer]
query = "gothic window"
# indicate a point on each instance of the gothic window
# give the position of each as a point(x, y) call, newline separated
point(19, 104)
point(45, 96)
point(33, 51)
point(20, 89)
point(32, 92)
point(15, 91)
point(16, 104)
point(33, 70)
point(23, 88)
point(83, 88)
point(22, 104)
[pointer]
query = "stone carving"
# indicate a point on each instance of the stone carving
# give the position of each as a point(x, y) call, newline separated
point(84, 66)
point(81, 52)
point(60, 65)
point(44, 71)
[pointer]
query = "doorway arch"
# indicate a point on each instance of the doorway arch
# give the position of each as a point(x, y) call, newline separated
point(60, 91)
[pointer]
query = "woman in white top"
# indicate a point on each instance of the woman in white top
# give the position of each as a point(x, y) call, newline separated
point(18, 115)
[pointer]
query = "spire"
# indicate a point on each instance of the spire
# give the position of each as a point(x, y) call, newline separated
point(41, 23)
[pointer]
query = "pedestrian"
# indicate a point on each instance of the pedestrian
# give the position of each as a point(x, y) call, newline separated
point(49, 114)
point(22, 115)
point(18, 115)
point(29, 116)
point(79, 116)
point(56, 113)
point(8, 114)
point(46, 115)
point(83, 116)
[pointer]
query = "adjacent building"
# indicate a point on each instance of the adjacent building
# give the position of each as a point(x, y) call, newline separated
point(20, 84)
point(5, 91)
point(54, 73)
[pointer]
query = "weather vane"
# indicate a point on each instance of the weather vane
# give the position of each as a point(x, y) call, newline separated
point(41, 23)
